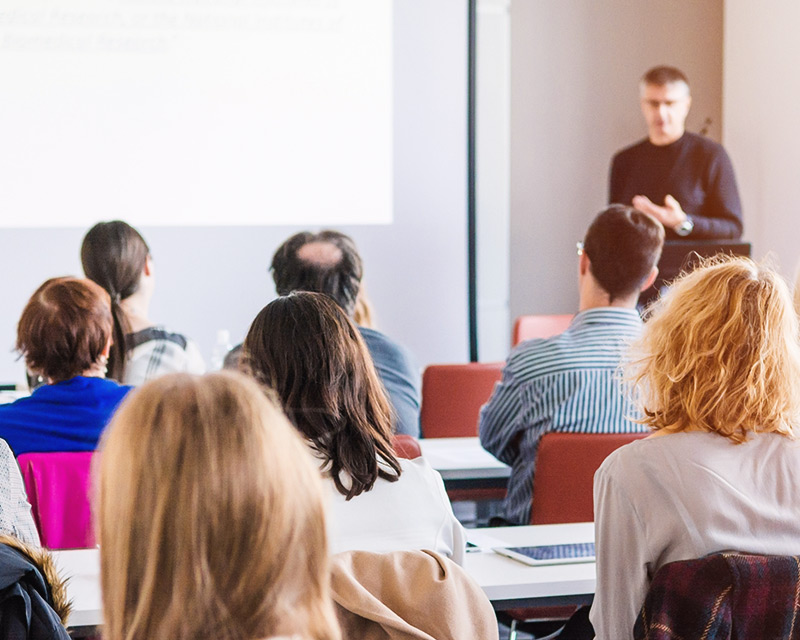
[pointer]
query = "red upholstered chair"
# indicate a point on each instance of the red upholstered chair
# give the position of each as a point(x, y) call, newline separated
point(563, 492)
point(58, 490)
point(452, 395)
point(565, 466)
point(406, 446)
point(529, 327)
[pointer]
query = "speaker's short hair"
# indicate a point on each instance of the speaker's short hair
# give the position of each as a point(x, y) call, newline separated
point(661, 75)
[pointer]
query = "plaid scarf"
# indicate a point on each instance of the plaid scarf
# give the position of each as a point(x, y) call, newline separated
point(723, 596)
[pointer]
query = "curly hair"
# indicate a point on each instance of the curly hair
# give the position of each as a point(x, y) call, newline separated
point(720, 353)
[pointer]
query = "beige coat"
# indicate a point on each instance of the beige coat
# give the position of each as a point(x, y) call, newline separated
point(408, 595)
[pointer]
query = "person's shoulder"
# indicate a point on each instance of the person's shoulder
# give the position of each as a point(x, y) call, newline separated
point(529, 350)
point(419, 478)
point(6, 455)
point(538, 357)
point(698, 143)
point(683, 445)
point(102, 389)
point(417, 467)
point(589, 333)
point(382, 346)
point(156, 334)
point(112, 388)
point(375, 336)
point(629, 461)
point(631, 151)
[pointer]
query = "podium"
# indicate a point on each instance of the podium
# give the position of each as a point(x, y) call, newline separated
point(684, 255)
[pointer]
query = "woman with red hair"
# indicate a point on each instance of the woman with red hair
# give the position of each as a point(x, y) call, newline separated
point(64, 335)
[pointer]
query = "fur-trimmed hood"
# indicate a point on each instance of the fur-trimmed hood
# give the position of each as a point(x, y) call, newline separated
point(43, 561)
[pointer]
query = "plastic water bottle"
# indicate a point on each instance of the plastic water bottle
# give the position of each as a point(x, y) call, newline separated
point(221, 348)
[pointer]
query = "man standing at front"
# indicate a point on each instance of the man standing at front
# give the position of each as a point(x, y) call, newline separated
point(568, 383)
point(682, 179)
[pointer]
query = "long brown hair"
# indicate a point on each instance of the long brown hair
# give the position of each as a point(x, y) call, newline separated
point(210, 517)
point(311, 353)
point(113, 254)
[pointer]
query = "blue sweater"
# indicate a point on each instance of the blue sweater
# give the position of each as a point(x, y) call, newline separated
point(400, 377)
point(65, 416)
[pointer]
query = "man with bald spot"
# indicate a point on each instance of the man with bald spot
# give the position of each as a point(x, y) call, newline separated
point(328, 262)
point(682, 179)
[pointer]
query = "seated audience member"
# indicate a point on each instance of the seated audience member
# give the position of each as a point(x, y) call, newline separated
point(15, 511)
point(716, 374)
point(34, 605)
point(232, 359)
point(311, 353)
point(64, 335)
point(210, 518)
point(328, 262)
point(117, 258)
point(567, 383)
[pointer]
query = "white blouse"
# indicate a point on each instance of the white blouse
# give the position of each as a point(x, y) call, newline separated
point(412, 513)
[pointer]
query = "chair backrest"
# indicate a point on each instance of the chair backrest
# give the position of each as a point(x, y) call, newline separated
point(564, 474)
point(406, 446)
point(58, 490)
point(452, 396)
point(723, 596)
point(529, 327)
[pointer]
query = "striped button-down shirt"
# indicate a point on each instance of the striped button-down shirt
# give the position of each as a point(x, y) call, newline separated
point(567, 383)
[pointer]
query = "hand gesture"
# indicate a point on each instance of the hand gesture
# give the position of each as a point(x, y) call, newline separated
point(670, 214)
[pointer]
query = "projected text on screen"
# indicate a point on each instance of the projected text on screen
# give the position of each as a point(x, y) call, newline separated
point(196, 112)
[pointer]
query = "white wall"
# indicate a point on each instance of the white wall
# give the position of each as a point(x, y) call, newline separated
point(762, 128)
point(493, 112)
point(574, 101)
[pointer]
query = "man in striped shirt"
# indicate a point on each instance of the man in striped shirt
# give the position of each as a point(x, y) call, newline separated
point(569, 382)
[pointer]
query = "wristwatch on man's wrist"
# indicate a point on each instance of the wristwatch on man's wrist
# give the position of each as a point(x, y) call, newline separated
point(685, 227)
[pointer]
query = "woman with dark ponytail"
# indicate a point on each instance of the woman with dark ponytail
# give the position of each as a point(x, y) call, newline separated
point(115, 256)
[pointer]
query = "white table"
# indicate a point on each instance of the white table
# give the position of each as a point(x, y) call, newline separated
point(7, 397)
point(464, 463)
point(507, 583)
point(82, 567)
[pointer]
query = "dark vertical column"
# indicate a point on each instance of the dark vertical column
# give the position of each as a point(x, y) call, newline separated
point(472, 287)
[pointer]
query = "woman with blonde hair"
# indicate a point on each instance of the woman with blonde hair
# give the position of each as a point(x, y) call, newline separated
point(210, 517)
point(717, 376)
